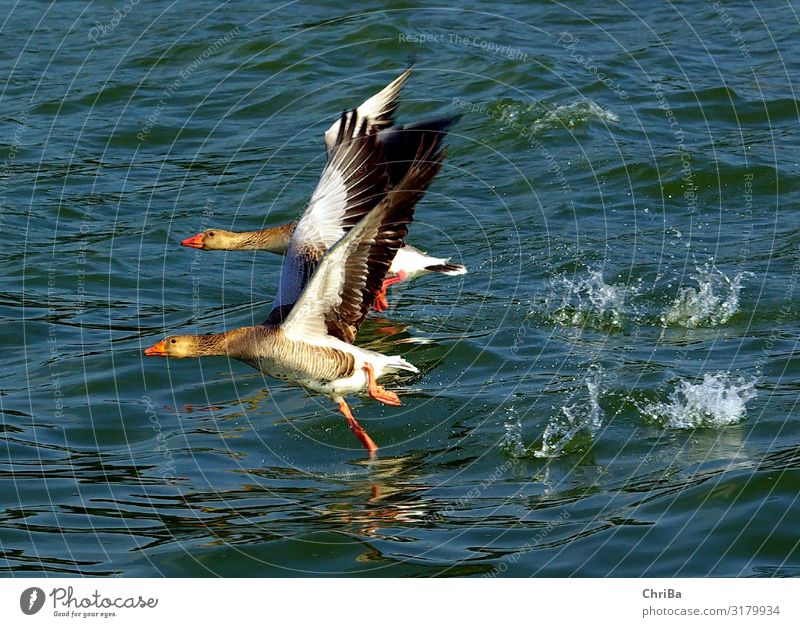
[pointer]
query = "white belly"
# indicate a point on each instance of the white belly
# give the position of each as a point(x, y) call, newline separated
point(354, 384)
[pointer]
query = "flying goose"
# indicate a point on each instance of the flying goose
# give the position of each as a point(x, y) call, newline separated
point(399, 144)
point(323, 297)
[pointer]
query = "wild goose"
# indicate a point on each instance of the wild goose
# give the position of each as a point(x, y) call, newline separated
point(323, 297)
point(399, 145)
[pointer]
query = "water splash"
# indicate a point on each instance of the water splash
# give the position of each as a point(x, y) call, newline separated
point(573, 429)
point(512, 114)
point(587, 302)
point(512, 440)
point(574, 114)
point(713, 302)
point(717, 401)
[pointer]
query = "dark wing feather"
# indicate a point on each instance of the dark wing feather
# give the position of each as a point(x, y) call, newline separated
point(344, 285)
point(400, 144)
point(367, 267)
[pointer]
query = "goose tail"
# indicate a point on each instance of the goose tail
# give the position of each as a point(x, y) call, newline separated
point(395, 362)
point(450, 269)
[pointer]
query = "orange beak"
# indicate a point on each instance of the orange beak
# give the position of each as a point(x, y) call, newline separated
point(157, 350)
point(196, 241)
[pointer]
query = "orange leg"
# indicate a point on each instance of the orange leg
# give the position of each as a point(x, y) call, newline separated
point(378, 392)
point(381, 304)
point(357, 429)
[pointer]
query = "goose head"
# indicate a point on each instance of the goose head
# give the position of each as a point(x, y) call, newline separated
point(212, 239)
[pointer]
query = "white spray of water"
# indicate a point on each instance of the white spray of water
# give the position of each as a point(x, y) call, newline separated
point(566, 115)
point(578, 420)
point(574, 114)
point(717, 401)
point(588, 301)
point(512, 440)
point(711, 303)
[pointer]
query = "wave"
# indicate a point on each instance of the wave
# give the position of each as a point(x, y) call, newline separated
point(538, 116)
point(575, 114)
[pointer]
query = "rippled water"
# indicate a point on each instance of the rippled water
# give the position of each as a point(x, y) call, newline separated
point(610, 390)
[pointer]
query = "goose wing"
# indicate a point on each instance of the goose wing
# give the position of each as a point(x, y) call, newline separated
point(353, 182)
point(377, 112)
point(342, 289)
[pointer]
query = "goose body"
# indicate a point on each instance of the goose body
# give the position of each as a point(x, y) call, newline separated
point(325, 364)
point(353, 380)
point(337, 258)
point(399, 145)
point(413, 263)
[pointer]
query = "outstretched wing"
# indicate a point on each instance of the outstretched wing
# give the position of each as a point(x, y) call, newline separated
point(342, 289)
point(401, 143)
point(377, 112)
point(353, 182)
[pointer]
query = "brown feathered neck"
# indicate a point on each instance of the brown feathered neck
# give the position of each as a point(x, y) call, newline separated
point(274, 239)
point(236, 343)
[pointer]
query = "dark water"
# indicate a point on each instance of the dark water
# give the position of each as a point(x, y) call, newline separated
point(611, 390)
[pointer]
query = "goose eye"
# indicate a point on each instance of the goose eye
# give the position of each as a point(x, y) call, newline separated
point(211, 233)
point(173, 341)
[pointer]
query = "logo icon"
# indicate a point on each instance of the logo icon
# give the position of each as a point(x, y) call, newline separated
point(31, 600)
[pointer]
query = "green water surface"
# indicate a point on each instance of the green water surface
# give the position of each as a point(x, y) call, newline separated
point(610, 391)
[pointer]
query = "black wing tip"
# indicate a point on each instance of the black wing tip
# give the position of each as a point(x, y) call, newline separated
point(447, 268)
point(406, 144)
point(358, 151)
point(436, 125)
point(340, 134)
point(346, 127)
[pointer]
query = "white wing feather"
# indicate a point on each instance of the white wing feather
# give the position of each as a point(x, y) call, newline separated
point(324, 291)
point(347, 183)
point(377, 110)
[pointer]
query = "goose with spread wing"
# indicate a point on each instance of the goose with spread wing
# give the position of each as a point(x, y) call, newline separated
point(323, 297)
point(399, 145)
